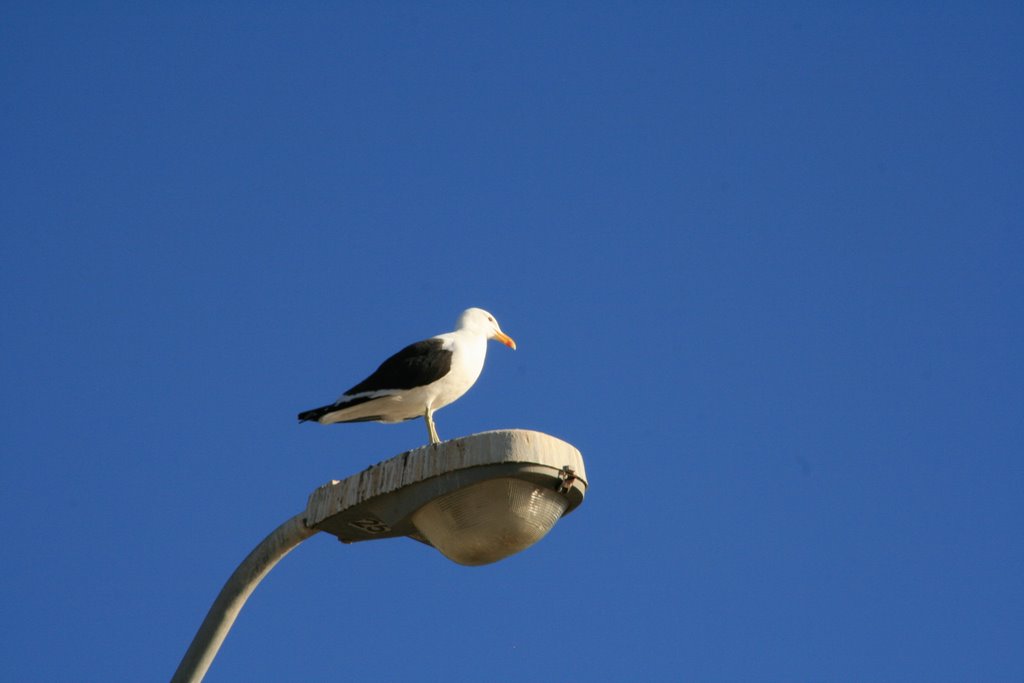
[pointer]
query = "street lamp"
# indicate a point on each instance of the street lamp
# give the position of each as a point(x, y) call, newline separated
point(477, 499)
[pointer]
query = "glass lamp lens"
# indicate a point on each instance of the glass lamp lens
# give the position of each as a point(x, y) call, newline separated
point(490, 520)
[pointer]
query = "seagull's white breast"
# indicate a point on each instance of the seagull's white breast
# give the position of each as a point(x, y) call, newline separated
point(468, 354)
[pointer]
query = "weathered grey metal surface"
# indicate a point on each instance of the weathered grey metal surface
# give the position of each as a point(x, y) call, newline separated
point(358, 508)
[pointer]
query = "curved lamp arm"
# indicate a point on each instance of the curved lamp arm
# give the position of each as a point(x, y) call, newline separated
point(233, 595)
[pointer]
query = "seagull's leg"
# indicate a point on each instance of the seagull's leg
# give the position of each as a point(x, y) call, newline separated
point(428, 415)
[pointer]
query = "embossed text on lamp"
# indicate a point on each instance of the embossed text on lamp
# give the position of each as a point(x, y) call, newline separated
point(477, 499)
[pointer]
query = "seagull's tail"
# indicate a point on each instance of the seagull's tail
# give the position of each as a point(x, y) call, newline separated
point(335, 411)
point(315, 414)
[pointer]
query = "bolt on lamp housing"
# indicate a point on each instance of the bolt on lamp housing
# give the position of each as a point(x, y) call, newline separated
point(477, 499)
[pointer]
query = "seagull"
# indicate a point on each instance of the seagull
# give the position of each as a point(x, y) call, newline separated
point(420, 379)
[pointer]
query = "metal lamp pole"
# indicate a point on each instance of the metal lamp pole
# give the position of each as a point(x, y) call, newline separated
point(233, 595)
point(477, 499)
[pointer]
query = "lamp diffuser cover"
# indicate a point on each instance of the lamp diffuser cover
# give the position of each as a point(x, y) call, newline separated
point(490, 520)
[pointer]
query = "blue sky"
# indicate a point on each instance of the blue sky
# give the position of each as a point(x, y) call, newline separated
point(763, 263)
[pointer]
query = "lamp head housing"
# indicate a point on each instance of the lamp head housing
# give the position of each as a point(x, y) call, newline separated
point(477, 499)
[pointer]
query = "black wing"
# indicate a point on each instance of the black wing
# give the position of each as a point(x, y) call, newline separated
point(416, 365)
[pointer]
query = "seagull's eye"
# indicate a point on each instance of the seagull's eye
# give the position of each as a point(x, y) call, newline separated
point(491, 318)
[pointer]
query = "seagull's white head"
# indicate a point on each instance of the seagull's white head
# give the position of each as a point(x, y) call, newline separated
point(479, 320)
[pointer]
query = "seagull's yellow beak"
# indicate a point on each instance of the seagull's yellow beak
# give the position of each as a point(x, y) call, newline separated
point(505, 339)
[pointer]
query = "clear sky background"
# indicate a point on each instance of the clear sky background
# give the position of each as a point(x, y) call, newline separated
point(763, 262)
